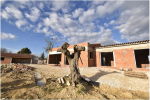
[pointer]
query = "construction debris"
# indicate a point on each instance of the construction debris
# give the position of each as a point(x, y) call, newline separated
point(136, 74)
point(18, 68)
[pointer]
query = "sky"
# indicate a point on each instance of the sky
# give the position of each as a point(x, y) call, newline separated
point(26, 23)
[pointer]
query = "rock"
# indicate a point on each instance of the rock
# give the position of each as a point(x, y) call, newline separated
point(39, 80)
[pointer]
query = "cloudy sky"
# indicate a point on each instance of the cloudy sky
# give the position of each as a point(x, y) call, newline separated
point(27, 23)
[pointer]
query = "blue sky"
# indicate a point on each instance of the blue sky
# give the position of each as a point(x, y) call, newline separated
point(28, 23)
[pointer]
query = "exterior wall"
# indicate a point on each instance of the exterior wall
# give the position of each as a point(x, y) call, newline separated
point(98, 59)
point(7, 60)
point(62, 60)
point(125, 58)
point(21, 60)
point(84, 60)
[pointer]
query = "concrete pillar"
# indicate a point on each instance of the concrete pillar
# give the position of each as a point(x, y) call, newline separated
point(48, 59)
point(62, 59)
point(98, 59)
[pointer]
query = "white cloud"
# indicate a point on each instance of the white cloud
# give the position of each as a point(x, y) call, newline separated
point(7, 36)
point(57, 5)
point(80, 25)
point(74, 31)
point(134, 21)
point(108, 7)
point(11, 12)
point(20, 23)
point(77, 12)
point(87, 16)
point(104, 36)
point(100, 10)
point(34, 14)
point(2, 1)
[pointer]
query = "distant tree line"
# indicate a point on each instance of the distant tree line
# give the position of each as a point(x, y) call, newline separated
point(4, 50)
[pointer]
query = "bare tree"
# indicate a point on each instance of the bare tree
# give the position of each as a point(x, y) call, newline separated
point(73, 61)
point(75, 76)
point(49, 45)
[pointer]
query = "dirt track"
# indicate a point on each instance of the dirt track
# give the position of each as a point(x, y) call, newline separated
point(106, 76)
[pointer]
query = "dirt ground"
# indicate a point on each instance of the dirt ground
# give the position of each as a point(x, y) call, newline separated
point(22, 85)
point(112, 77)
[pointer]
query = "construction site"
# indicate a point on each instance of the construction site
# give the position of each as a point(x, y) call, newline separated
point(121, 70)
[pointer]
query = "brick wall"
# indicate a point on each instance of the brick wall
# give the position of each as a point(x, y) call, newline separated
point(7, 60)
point(124, 58)
point(84, 60)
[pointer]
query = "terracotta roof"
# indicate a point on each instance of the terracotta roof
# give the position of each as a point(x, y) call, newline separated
point(125, 44)
point(13, 55)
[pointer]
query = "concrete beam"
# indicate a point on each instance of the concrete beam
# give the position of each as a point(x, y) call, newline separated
point(135, 47)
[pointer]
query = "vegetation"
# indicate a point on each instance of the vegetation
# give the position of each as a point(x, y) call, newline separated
point(4, 50)
point(24, 51)
point(42, 57)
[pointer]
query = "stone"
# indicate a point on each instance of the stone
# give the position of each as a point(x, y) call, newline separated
point(39, 80)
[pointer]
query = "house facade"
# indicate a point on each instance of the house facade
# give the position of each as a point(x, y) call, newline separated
point(7, 58)
point(124, 55)
point(87, 57)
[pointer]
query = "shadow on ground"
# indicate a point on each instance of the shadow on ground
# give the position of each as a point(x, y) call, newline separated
point(100, 74)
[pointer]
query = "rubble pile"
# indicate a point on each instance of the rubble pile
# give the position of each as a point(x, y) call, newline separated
point(18, 68)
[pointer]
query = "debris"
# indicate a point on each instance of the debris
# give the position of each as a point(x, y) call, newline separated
point(18, 68)
point(136, 74)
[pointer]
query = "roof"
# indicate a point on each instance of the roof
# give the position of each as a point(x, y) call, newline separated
point(14, 55)
point(125, 44)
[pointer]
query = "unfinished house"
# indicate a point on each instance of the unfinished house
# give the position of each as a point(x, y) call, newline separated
point(88, 57)
point(124, 55)
point(7, 58)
